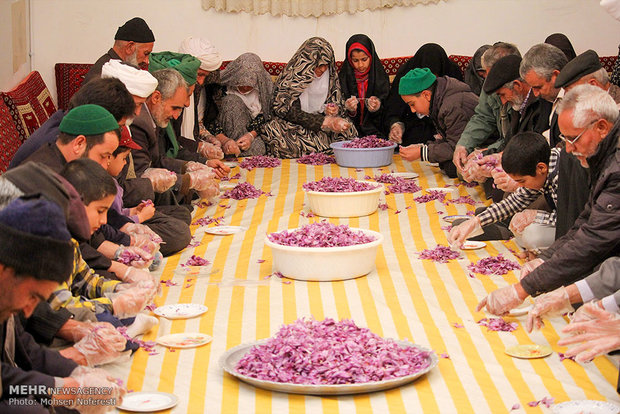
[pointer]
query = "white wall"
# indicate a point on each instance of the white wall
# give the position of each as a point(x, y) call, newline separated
point(82, 30)
point(10, 77)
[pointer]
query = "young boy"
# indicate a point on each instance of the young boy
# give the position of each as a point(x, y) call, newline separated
point(529, 161)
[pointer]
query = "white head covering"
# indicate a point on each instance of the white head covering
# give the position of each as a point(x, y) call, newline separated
point(312, 99)
point(204, 51)
point(138, 82)
point(251, 100)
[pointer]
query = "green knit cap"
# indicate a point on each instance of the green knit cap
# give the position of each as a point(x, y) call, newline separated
point(185, 64)
point(415, 81)
point(88, 120)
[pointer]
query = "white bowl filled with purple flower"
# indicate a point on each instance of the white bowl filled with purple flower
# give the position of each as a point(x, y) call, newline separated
point(342, 197)
point(324, 252)
point(364, 152)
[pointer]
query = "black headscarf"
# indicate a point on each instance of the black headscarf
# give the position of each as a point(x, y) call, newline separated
point(472, 78)
point(378, 85)
point(431, 56)
point(560, 41)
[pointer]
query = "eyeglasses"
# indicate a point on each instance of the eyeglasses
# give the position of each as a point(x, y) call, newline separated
point(571, 140)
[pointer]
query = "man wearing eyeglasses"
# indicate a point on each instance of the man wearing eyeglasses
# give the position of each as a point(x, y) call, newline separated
point(590, 127)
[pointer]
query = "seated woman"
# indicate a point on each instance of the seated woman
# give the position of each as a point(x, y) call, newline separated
point(401, 124)
point(475, 73)
point(247, 103)
point(306, 103)
point(365, 85)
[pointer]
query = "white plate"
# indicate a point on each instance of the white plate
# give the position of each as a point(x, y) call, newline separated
point(473, 245)
point(180, 310)
point(224, 230)
point(184, 340)
point(148, 401)
point(405, 175)
point(229, 360)
point(451, 219)
point(447, 190)
point(586, 406)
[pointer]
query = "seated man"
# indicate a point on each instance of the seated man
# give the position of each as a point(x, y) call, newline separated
point(528, 160)
point(590, 126)
point(449, 103)
point(133, 42)
point(36, 254)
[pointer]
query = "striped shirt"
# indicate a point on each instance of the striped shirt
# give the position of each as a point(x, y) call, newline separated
point(523, 197)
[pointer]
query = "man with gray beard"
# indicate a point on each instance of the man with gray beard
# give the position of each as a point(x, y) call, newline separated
point(133, 43)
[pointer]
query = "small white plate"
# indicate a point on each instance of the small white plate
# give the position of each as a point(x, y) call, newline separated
point(405, 175)
point(586, 406)
point(180, 310)
point(148, 401)
point(451, 219)
point(224, 230)
point(184, 340)
point(529, 351)
point(447, 190)
point(473, 245)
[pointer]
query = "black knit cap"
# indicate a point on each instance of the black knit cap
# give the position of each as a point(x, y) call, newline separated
point(34, 239)
point(584, 64)
point(503, 71)
point(135, 30)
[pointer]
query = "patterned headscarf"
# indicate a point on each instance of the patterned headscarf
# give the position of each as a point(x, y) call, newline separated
point(248, 70)
point(299, 74)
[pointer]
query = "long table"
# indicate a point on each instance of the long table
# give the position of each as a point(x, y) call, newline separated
point(430, 304)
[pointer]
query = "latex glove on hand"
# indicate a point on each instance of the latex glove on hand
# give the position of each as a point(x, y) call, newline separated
point(191, 166)
point(500, 301)
point(335, 124)
point(396, 133)
point(459, 233)
point(548, 305)
point(134, 229)
point(521, 220)
point(133, 256)
point(231, 147)
point(130, 299)
point(459, 158)
point(599, 335)
point(351, 104)
point(95, 378)
point(210, 151)
point(219, 168)
point(529, 266)
point(209, 192)
point(503, 181)
point(410, 152)
point(244, 141)
point(134, 275)
point(202, 179)
point(101, 345)
point(161, 179)
point(373, 104)
point(331, 109)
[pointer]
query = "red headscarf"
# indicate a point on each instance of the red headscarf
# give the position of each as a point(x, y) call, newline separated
point(360, 77)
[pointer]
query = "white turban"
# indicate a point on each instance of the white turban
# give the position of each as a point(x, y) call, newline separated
point(138, 82)
point(204, 51)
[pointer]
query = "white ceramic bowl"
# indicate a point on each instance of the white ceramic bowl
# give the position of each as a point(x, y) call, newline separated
point(326, 263)
point(345, 204)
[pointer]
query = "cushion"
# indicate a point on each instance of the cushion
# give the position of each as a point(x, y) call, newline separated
point(30, 104)
point(10, 139)
point(69, 78)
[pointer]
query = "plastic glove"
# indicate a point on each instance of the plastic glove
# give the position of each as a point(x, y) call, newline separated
point(144, 211)
point(503, 181)
point(144, 242)
point(458, 234)
point(210, 151)
point(161, 179)
point(500, 301)
point(103, 344)
point(245, 140)
point(521, 220)
point(209, 192)
point(202, 179)
point(331, 109)
point(79, 330)
point(191, 166)
point(231, 147)
point(335, 124)
point(548, 305)
point(133, 256)
point(351, 104)
point(134, 229)
point(599, 335)
point(133, 275)
point(459, 158)
point(373, 103)
point(219, 168)
point(130, 299)
point(529, 266)
point(396, 133)
point(96, 378)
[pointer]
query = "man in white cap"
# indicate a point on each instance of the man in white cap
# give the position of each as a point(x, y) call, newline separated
point(140, 83)
point(199, 119)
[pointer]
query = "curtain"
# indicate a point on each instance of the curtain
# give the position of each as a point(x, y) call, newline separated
point(305, 8)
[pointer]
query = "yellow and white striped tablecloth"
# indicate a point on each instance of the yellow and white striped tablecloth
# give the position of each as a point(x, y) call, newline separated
point(403, 298)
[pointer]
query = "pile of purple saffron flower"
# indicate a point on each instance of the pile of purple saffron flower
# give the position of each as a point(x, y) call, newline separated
point(323, 234)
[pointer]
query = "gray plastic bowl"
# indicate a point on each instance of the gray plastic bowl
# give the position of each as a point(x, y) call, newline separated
point(362, 157)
